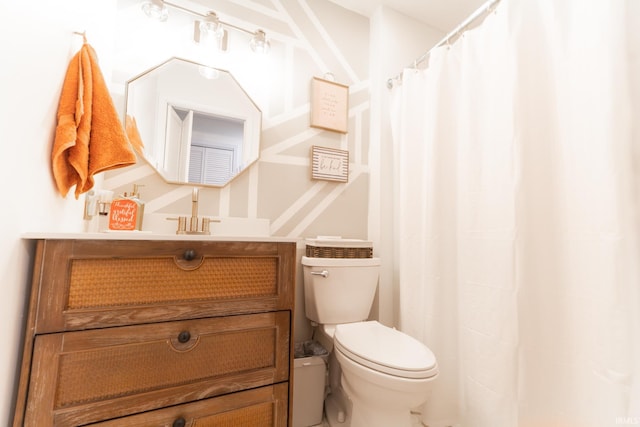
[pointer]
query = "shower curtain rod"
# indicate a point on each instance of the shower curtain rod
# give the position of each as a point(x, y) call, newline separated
point(481, 11)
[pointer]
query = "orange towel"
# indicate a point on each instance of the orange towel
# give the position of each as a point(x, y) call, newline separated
point(89, 135)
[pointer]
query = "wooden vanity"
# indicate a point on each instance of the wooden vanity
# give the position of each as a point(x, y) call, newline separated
point(159, 332)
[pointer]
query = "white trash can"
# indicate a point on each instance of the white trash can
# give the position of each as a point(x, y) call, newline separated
point(309, 378)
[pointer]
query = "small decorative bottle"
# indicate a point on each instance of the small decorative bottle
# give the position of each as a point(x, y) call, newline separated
point(126, 212)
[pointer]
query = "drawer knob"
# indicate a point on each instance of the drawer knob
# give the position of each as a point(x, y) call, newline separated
point(189, 255)
point(184, 337)
point(179, 422)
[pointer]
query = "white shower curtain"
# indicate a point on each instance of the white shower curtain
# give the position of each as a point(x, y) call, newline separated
point(517, 216)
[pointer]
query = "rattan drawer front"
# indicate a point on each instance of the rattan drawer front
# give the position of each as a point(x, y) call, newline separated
point(94, 284)
point(99, 374)
point(138, 281)
point(262, 407)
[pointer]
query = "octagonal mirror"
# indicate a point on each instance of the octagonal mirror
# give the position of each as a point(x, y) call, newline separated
point(196, 124)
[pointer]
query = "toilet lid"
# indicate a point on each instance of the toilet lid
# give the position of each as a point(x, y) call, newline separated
point(385, 349)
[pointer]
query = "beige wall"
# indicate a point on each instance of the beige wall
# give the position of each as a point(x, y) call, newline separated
point(308, 39)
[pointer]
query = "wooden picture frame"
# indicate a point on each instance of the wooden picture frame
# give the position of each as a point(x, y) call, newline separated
point(329, 105)
point(329, 164)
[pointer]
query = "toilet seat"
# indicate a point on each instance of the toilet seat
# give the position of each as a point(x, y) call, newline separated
point(385, 350)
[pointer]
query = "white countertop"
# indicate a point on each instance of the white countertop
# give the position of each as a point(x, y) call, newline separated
point(143, 235)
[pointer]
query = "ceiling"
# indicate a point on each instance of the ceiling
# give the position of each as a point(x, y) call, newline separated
point(443, 15)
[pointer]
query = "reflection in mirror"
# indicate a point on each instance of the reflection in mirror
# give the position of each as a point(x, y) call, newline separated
point(212, 145)
point(196, 124)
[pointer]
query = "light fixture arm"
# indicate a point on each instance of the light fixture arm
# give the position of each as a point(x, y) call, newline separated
point(235, 27)
point(259, 42)
point(184, 9)
point(204, 15)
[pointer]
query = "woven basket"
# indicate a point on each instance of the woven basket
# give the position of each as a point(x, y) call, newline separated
point(338, 252)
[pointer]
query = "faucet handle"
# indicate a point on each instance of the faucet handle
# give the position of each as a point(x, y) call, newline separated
point(205, 224)
point(182, 224)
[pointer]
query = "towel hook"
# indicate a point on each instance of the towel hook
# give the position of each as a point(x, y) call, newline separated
point(83, 34)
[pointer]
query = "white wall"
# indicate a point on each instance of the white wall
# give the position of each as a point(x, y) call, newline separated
point(37, 44)
point(396, 41)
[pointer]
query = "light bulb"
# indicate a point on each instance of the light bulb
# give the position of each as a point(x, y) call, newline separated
point(259, 42)
point(155, 9)
point(211, 26)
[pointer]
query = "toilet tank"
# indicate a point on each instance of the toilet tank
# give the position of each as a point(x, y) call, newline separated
point(339, 290)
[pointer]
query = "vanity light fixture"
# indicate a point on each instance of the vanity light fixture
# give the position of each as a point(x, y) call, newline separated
point(211, 25)
point(208, 27)
point(155, 9)
point(259, 42)
point(209, 32)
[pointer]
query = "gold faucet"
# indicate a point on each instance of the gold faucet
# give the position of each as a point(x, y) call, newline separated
point(193, 225)
point(194, 221)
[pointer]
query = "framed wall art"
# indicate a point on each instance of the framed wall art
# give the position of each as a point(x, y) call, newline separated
point(329, 164)
point(329, 105)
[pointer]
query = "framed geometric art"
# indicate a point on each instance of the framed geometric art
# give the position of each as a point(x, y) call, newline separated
point(329, 164)
point(329, 105)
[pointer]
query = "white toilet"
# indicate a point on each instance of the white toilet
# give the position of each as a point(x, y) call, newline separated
point(377, 374)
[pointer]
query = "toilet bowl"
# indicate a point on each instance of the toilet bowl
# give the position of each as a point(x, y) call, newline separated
point(377, 374)
point(385, 373)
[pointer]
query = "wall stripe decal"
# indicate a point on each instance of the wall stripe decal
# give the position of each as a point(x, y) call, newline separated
point(128, 176)
point(252, 195)
point(291, 142)
point(279, 222)
point(165, 199)
point(321, 207)
point(285, 160)
point(287, 115)
point(300, 35)
point(329, 41)
point(224, 206)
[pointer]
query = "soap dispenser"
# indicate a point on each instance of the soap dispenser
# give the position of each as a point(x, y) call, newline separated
point(127, 211)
